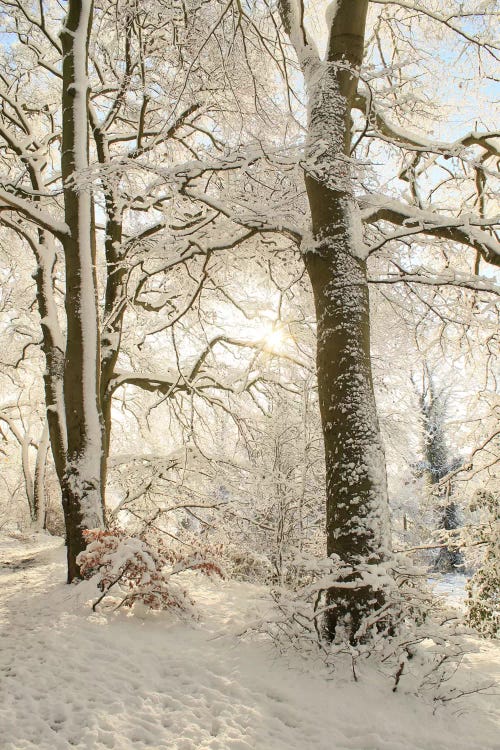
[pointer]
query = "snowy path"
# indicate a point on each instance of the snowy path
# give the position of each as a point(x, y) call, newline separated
point(71, 678)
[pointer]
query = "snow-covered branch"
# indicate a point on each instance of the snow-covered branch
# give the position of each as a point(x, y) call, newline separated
point(253, 222)
point(466, 229)
point(446, 20)
point(29, 210)
point(489, 141)
point(292, 17)
point(452, 278)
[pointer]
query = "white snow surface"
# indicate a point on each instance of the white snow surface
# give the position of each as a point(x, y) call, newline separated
point(451, 586)
point(71, 678)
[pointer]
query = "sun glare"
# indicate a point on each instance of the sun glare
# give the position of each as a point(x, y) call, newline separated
point(275, 339)
point(272, 336)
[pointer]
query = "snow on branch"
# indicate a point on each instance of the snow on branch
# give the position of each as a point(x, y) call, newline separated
point(452, 278)
point(466, 229)
point(446, 20)
point(27, 209)
point(169, 382)
point(254, 222)
point(414, 141)
point(164, 383)
point(292, 18)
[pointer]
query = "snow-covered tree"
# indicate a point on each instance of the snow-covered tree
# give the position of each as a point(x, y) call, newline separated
point(80, 110)
point(437, 464)
point(355, 90)
point(183, 146)
point(337, 87)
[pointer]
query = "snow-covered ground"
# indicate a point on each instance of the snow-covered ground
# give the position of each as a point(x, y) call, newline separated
point(451, 586)
point(71, 678)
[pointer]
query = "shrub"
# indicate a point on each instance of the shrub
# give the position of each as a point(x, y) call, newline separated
point(139, 568)
point(483, 600)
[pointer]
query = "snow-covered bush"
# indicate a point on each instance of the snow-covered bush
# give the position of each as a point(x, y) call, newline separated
point(246, 565)
point(483, 601)
point(140, 568)
point(410, 638)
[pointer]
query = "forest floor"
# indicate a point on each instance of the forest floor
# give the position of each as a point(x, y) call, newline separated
point(71, 678)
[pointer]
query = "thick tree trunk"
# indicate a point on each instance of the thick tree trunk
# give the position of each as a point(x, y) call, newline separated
point(357, 510)
point(81, 487)
point(357, 516)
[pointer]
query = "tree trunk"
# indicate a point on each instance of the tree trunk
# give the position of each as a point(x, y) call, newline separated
point(114, 310)
point(53, 346)
point(357, 510)
point(115, 292)
point(25, 443)
point(39, 504)
point(81, 487)
point(357, 517)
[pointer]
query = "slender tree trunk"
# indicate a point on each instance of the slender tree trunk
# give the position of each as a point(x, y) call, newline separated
point(25, 443)
point(82, 498)
point(53, 346)
point(115, 293)
point(28, 479)
point(39, 503)
point(114, 310)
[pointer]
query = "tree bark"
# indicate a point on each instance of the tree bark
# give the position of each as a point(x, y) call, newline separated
point(356, 495)
point(81, 487)
point(115, 297)
point(53, 346)
point(357, 517)
point(39, 502)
